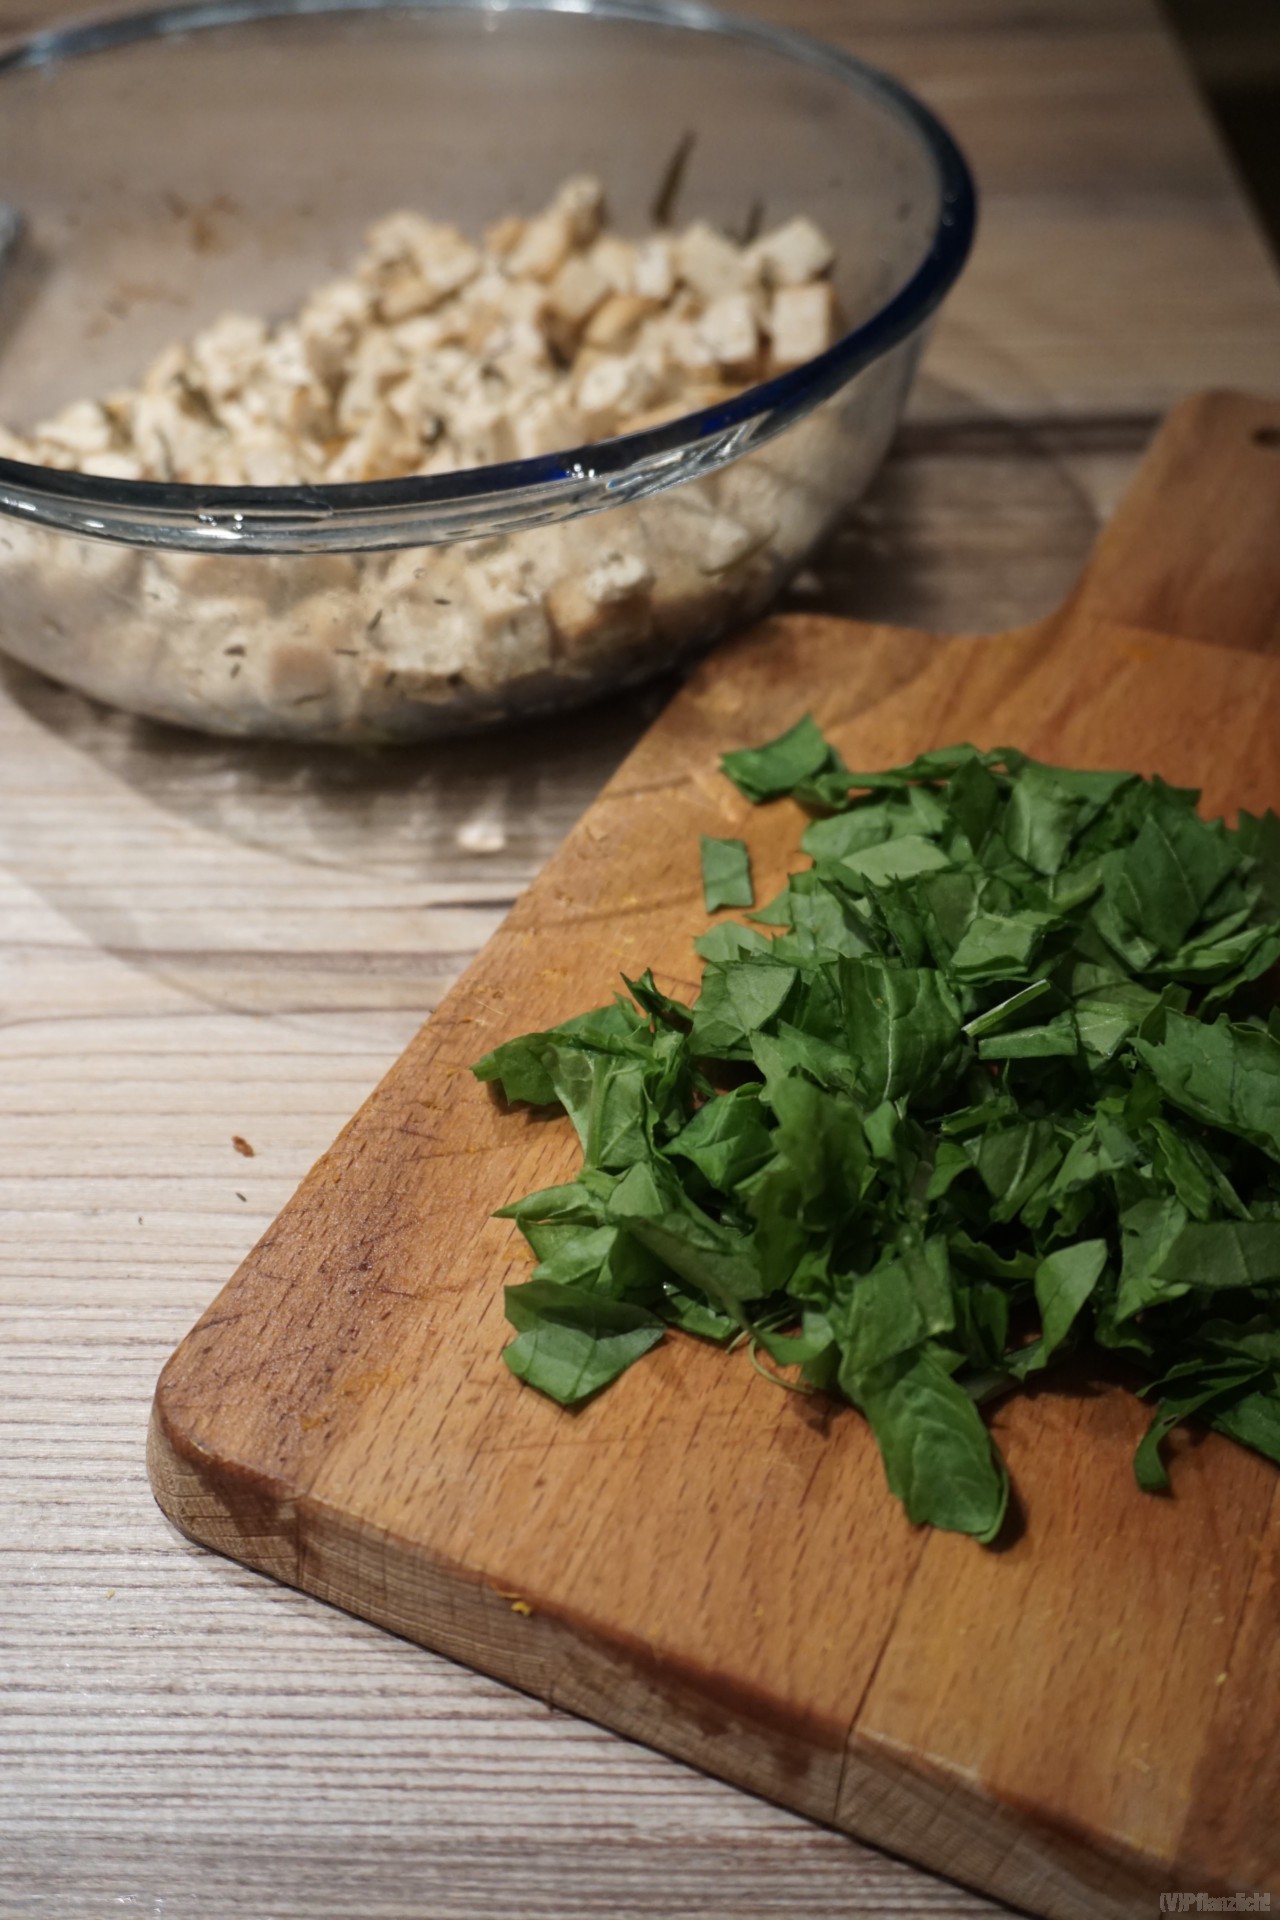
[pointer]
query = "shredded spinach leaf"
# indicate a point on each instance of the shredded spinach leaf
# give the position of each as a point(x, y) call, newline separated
point(993, 1082)
point(726, 874)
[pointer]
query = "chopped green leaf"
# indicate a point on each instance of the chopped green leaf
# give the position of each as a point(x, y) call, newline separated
point(1225, 1253)
point(1225, 1075)
point(727, 1139)
point(1064, 1281)
point(1191, 1396)
point(902, 1025)
point(726, 874)
point(738, 998)
point(900, 859)
point(1253, 1420)
point(763, 773)
point(571, 1342)
point(939, 1459)
point(994, 1056)
point(1000, 946)
point(1169, 872)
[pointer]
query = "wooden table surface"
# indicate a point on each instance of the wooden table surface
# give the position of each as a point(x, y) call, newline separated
point(199, 940)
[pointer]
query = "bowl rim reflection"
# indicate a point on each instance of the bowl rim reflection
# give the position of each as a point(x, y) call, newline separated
point(509, 495)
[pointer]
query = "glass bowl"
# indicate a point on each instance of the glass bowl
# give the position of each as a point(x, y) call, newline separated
point(168, 166)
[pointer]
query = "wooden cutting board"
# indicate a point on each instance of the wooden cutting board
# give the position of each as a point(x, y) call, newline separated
point(1075, 1722)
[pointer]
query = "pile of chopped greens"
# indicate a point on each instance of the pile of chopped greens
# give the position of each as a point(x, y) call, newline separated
point(997, 1084)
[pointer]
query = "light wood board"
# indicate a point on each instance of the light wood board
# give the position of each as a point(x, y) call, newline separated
point(1074, 1723)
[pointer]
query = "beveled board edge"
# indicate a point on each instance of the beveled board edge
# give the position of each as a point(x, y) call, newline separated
point(920, 1813)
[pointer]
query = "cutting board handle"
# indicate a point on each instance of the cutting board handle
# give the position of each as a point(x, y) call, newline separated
point(1194, 548)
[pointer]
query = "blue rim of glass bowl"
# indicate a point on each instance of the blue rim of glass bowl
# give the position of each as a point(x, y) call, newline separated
point(513, 494)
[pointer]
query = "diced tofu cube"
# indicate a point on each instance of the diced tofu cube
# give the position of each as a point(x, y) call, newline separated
point(225, 357)
point(710, 263)
point(616, 260)
point(500, 236)
point(299, 674)
point(414, 263)
point(653, 274)
point(83, 428)
point(611, 389)
point(519, 353)
point(514, 632)
point(688, 349)
point(544, 426)
point(615, 322)
point(421, 630)
point(480, 434)
point(170, 366)
point(403, 293)
point(384, 445)
point(294, 396)
point(796, 251)
point(786, 511)
point(270, 457)
point(110, 466)
point(616, 576)
point(603, 607)
point(542, 248)
point(168, 437)
point(728, 328)
point(693, 528)
point(374, 366)
point(801, 323)
point(576, 292)
point(329, 324)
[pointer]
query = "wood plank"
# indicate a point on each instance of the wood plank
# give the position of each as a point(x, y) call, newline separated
point(1117, 265)
point(340, 1417)
point(1151, 572)
point(337, 1769)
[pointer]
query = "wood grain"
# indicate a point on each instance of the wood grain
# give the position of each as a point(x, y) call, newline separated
point(197, 940)
point(711, 1568)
